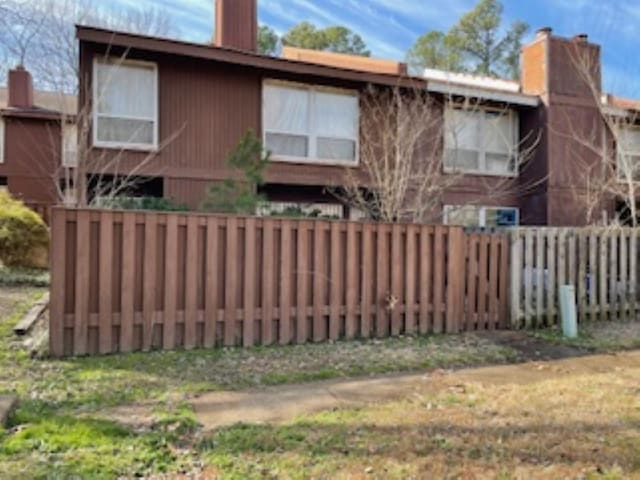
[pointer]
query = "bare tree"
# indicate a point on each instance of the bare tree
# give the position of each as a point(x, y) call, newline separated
point(41, 34)
point(402, 174)
point(605, 152)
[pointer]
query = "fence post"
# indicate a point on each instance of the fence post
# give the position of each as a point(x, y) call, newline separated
point(456, 279)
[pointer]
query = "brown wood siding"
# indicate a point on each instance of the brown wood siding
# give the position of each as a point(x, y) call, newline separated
point(32, 157)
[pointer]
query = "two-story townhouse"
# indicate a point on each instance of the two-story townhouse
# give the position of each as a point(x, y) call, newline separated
point(181, 107)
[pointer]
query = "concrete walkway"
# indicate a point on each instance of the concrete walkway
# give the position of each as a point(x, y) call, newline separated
point(276, 404)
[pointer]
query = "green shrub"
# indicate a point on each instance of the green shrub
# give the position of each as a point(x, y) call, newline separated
point(22, 232)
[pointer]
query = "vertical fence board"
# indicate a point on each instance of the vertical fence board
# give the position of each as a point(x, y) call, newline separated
point(319, 283)
point(603, 271)
point(231, 282)
point(302, 280)
point(211, 283)
point(410, 281)
point(335, 299)
point(624, 288)
point(425, 278)
point(582, 275)
point(493, 282)
point(551, 276)
point(396, 279)
point(170, 283)
point(382, 282)
point(471, 317)
point(267, 281)
point(455, 279)
point(249, 289)
point(528, 278)
point(438, 279)
point(149, 279)
point(106, 264)
point(128, 281)
point(504, 281)
point(516, 278)
point(285, 282)
point(352, 281)
point(633, 273)
point(593, 276)
point(613, 276)
point(59, 252)
point(191, 282)
point(366, 279)
point(81, 324)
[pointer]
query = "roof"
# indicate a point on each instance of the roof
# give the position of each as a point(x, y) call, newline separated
point(486, 88)
point(241, 57)
point(343, 60)
point(47, 104)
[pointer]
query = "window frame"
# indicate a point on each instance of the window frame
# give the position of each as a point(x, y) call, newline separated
point(631, 154)
point(117, 61)
point(313, 135)
point(482, 213)
point(514, 119)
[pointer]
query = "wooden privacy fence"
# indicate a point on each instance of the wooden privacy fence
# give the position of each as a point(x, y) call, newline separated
point(602, 263)
point(125, 281)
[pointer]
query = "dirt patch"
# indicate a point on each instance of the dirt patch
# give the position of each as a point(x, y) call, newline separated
point(530, 348)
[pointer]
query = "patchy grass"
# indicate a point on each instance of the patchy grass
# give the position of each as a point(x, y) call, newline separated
point(128, 416)
point(579, 426)
point(23, 277)
point(597, 337)
point(78, 417)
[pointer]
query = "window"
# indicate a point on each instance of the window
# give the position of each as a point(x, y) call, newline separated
point(628, 153)
point(69, 146)
point(486, 217)
point(125, 99)
point(312, 210)
point(2, 142)
point(310, 124)
point(481, 141)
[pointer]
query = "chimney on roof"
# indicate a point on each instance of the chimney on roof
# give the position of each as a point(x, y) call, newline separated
point(237, 24)
point(20, 88)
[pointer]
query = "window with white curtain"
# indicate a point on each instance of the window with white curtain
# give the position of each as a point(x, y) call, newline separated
point(2, 142)
point(69, 146)
point(481, 141)
point(310, 124)
point(125, 99)
point(628, 153)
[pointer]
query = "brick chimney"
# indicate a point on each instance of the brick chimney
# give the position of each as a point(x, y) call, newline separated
point(237, 24)
point(20, 88)
point(566, 74)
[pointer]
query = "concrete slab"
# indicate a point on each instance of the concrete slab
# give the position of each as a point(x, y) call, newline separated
point(7, 404)
point(275, 404)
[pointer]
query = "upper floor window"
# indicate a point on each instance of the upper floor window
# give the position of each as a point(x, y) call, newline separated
point(481, 141)
point(125, 99)
point(310, 124)
point(628, 153)
point(2, 142)
point(69, 146)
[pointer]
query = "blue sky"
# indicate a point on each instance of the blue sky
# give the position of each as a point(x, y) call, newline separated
point(389, 27)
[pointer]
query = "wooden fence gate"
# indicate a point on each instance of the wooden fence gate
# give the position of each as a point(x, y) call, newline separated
point(125, 281)
point(602, 263)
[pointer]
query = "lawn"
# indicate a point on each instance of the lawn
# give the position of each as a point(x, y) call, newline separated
point(129, 415)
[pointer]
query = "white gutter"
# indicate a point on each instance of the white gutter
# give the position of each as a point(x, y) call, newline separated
point(511, 98)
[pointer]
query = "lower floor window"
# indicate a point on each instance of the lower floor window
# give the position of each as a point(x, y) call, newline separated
point(477, 216)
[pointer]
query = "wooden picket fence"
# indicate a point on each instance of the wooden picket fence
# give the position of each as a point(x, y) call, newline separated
point(126, 281)
point(602, 263)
